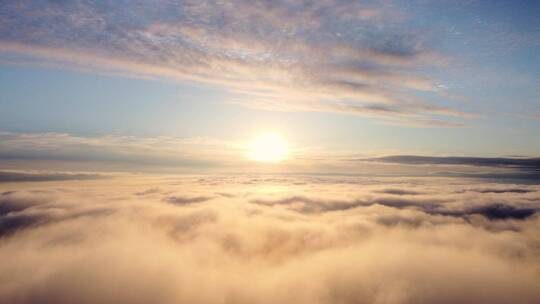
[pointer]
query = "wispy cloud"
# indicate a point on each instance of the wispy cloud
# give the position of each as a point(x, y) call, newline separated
point(13, 176)
point(135, 151)
point(334, 56)
point(181, 200)
point(524, 168)
point(521, 163)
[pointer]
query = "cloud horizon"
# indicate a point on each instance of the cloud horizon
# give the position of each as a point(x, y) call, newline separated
point(114, 153)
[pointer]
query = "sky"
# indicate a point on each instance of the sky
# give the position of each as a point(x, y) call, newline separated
point(287, 151)
point(355, 78)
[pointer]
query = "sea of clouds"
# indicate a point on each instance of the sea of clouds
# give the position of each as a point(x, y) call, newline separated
point(269, 239)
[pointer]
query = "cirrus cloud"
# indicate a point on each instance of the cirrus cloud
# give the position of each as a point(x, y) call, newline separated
point(358, 58)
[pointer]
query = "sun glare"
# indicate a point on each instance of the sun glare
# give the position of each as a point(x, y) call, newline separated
point(268, 148)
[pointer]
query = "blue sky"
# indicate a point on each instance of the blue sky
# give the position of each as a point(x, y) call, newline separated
point(357, 77)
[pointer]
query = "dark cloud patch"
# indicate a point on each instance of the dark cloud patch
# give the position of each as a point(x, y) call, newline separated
point(148, 191)
point(12, 223)
point(92, 213)
point(14, 201)
point(7, 206)
point(20, 210)
point(179, 227)
point(509, 190)
point(396, 220)
point(503, 212)
point(308, 205)
point(426, 205)
point(496, 211)
point(181, 200)
point(525, 176)
point(491, 211)
point(399, 192)
point(6, 176)
point(497, 169)
point(519, 163)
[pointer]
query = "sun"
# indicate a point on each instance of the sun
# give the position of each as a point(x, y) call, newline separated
point(268, 148)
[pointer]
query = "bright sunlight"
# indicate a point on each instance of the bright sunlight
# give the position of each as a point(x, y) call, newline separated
point(268, 148)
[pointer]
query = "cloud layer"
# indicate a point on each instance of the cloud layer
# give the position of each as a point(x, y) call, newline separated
point(362, 58)
point(515, 162)
point(12, 176)
point(267, 239)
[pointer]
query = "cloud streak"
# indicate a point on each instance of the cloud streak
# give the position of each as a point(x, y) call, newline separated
point(128, 152)
point(357, 58)
point(10, 176)
point(180, 200)
point(522, 163)
point(524, 168)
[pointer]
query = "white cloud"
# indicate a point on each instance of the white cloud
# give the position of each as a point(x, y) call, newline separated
point(102, 242)
point(334, 56)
